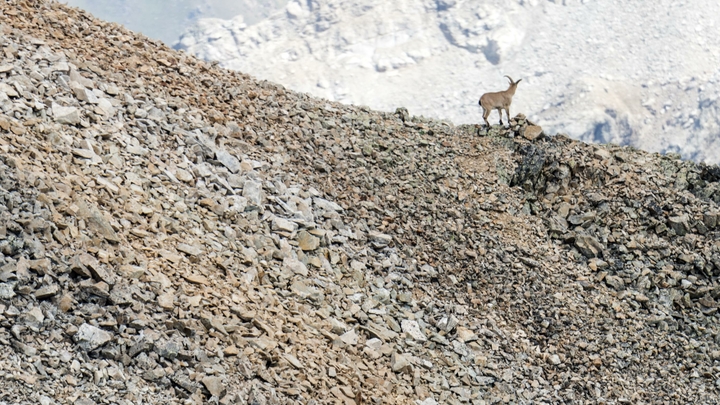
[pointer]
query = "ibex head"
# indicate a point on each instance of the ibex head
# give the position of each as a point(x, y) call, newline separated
point(513, 83)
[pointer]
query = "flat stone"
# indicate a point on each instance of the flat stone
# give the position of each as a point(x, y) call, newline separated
point(66, 115)
point(156, 115)
point(243, 313)
point(89, 337)
point(350, 337)
point(97, 222)
point(33, 318)
point(215, 386)
point(293, 361)
point(302, 290)
point(7, 290)
point(465, 335)
point(97, 270)
point(337, 327)
point(263, 343)
point(710, 219)
point(60, 66)
point(184, 175)
point(196, 279)
point(105, 107)
point(167, 349)
point(231, 351)
point(325, 205)
point(379, 240)
point(8, 90)
point(47, 291)
point(136, 150)
point(190, 249)
point(42, 266)
point(405, 297)
point(228, 160)
point(154, 374)
point(588, 246)
point(602, 153)
point(380, 332)
point(412, 329)
point(130, 271)
point(307, 242)
point(282, 224)
point(296, 266)
point(166, 300)
point(252, 191)
point(400, 363)
point(533, 132)
point(83, 153)
point(679, 224)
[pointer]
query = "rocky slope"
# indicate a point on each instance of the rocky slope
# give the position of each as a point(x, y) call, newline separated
point(173, 232)
point(644, 74)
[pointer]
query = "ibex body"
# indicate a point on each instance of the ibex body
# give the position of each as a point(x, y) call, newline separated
point(499, 100)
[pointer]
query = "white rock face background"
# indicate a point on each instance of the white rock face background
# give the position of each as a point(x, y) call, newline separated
point(166, 20)
point(643, 73)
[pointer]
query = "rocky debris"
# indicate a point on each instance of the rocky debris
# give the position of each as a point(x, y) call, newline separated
point(351, 255)
point(90, 337)
point(567, 84)
point(532, 132)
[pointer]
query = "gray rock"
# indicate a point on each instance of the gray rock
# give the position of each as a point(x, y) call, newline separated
point(400, 363)
point(325, 205)
point(89, 337)
point(379, 240)
point(228, 160)
point(167, 349)
point(66, 115)
point(710, 219)
point(679, 224)
point(282, 224)
point(154, 374)
point(380, 332)
point(97, 221)
point(256, 397)
point(33, 318)
point(307, 242)
point(156, 115)
point(190, 249)
point(529, 169)
point(588, 246)
point(252, 190)
point(412, 329)
point(302, 290)
point(7, 290)
point(295, 266)
point(215, 386)
point(532, 132)
point(350, 337)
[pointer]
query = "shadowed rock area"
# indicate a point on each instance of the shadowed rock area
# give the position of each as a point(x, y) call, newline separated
point(173, 232)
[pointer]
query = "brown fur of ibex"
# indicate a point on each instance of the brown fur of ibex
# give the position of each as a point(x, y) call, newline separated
point(499, 100)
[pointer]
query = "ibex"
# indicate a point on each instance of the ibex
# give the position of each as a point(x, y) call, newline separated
point(499, 100)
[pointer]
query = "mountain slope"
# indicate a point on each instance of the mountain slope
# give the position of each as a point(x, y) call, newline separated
point(173, 232)
point(644, 74)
